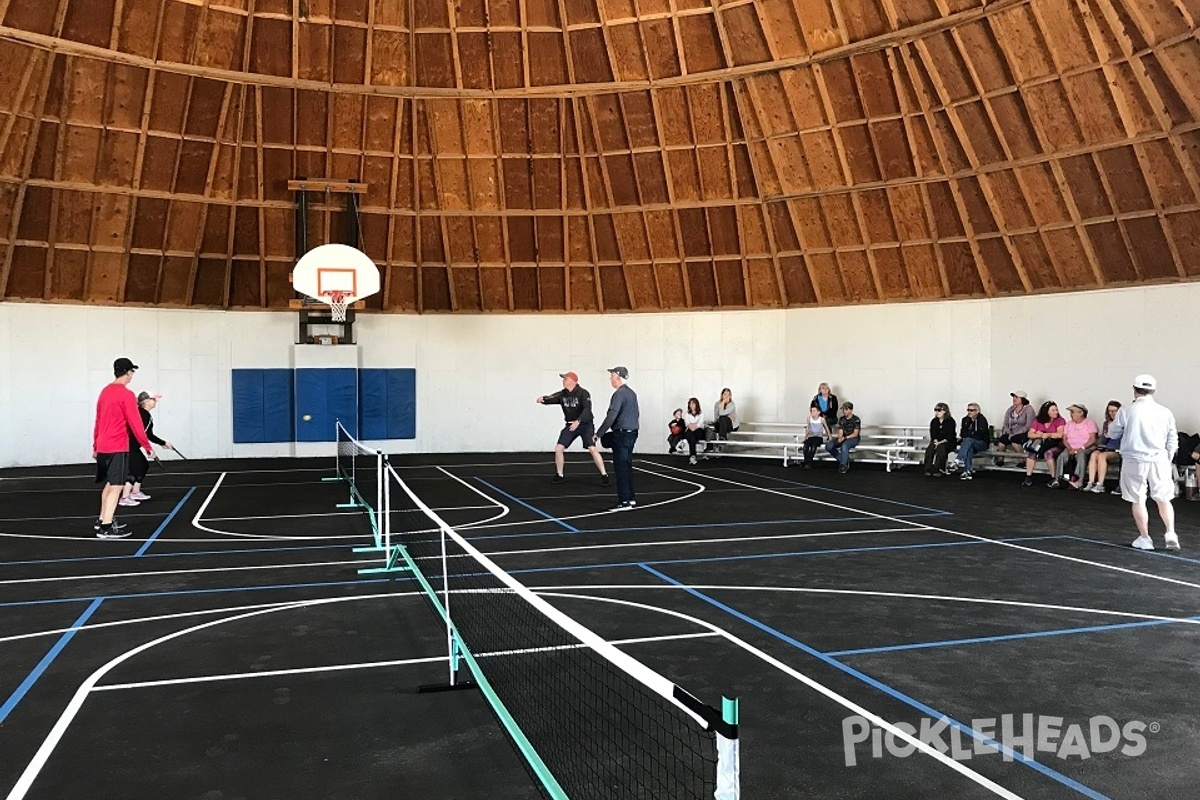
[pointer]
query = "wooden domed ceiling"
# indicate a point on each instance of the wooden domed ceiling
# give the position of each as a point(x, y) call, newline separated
point(588, 155)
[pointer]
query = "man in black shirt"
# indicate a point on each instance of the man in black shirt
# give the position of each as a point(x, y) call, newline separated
point(624, 420)
point(577, 413)
point(846, 437)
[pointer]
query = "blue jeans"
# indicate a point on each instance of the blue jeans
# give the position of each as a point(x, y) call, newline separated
point(841, 450)
point(968, 449)
point(622, 449)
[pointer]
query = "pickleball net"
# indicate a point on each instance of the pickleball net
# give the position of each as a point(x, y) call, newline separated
point(592, 722)
point(362, 469)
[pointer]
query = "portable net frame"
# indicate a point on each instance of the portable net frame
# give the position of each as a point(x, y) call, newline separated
point(591, 721)
point(362, 468)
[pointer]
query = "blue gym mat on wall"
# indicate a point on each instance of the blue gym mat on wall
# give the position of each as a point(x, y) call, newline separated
point(269, 405)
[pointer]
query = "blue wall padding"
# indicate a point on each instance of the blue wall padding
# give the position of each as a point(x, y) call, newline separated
point(325, 395)
point(262, 405)
point(388, 403)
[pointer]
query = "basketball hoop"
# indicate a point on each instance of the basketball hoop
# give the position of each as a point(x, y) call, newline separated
point(338, 303)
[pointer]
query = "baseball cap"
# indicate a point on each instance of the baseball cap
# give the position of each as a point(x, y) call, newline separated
point(123, 365)
point(1079, 406)
point(570, 375)
point(1020, 394)
point(847, 406)
point(143, 396)
point(620, 372)
point(1146, 382)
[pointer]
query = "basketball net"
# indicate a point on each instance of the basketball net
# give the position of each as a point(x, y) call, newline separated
point(338, 303)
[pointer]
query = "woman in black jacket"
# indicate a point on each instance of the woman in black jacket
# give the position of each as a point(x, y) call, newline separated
point(941, 440)
point(827, 402)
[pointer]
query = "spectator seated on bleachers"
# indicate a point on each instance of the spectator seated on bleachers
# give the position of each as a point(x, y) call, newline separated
point(675, 429)
point(693, 423)
point(1080, 435)
point(816, 433)
point(827, 402)
point(941, 441)
point(974, 437)
point(1045, 442)
point(725, 415)
point(1105, 453)
point(847, 437)
point(1018, 418)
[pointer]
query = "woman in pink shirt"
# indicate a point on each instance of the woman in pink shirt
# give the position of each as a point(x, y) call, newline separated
point(1045, 442)
point(1079, 440)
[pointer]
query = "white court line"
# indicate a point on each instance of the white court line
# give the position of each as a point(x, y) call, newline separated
point(699, 488)
point(963, 534)
point(482, 494)
point(197, 571)
point(275, 673)
point(841, 700)
point(260, 536)
point(329, 514)
point(660, 543)
point(941, 598)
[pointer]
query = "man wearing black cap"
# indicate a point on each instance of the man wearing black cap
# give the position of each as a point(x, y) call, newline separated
point(623, 419)
point(116, 419)
point(576, 404)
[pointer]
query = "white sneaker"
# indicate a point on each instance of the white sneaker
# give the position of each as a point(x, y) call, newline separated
point(127, 501)
point(1097, 488)
point(692, 460)
point(1143, 543)
point(1172, 541)
point(140, 496)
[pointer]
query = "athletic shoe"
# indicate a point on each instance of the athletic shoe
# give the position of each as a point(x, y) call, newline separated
point(1097, 488)
point(1027, 482)
point(115, 524)
point(113, 532)
point(1073, 483)
point(1142, 543)
point(604, 480)
point(844, 468)
point(966, 476)
point(928, 473)
point(692, 460)
point(127, 501)
point(140, 496)
point(558, 479)
point(1172, 541)
point(626, 506)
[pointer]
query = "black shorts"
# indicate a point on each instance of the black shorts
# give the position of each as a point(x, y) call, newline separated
point(1016, 438)
point(588, 432)
point(112, 468)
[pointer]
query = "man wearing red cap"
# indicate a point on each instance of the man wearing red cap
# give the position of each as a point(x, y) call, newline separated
point(116, 418)
point(576, 404)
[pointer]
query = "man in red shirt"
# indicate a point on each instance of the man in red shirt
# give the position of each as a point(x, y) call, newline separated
point(116, 417)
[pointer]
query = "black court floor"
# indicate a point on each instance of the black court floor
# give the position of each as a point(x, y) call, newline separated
point(231, 649)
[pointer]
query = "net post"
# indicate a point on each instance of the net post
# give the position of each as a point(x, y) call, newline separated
point(451, 642)
point(728, 757)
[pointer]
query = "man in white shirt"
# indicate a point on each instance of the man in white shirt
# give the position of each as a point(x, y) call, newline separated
point(1149, 439)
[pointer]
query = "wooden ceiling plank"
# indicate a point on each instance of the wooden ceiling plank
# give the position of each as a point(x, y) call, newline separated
point(226, 102)
point(968, 146)
point(670, 185)
point(43, 93)
point(908, 115)
point(726, 111)
point(747, 108)
point(985, 278)
point(839, 147)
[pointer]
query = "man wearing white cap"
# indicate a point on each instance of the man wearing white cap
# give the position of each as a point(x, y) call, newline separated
point(1149, 439)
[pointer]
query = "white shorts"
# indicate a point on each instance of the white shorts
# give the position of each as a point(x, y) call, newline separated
point(1137, 476)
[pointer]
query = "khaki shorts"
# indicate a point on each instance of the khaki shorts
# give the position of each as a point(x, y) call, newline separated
point(1138, 476)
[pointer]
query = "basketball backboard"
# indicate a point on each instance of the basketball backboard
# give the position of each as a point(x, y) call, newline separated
point(336, 269)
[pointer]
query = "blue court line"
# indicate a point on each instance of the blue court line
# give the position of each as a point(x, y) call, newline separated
point(162, 526)
point(534, 509)
point(221, 590)
point(691, 525)
point(532, 570)
point(1148, 623)
point(47, 659)
point(883, 687)
point(941, 511)
point(1128, 549)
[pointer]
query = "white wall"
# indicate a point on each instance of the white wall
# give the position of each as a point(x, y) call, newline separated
point(477, 375)
point(896, 361)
